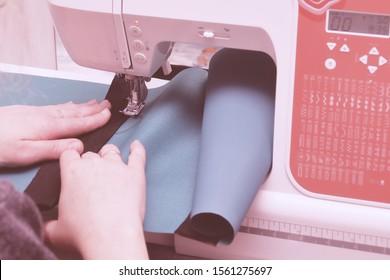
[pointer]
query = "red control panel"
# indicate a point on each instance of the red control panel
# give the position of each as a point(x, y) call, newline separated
point(340, 145)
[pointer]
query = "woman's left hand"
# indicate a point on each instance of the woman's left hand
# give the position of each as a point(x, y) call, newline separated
point(30, 134)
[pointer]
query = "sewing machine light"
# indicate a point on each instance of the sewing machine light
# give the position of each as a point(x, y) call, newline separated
point(208, 34)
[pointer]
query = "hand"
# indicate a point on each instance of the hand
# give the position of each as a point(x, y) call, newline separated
point(30, 134)
point(102, 204)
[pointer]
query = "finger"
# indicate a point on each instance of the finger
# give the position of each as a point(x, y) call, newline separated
point(67, 158)
point(137, 157)
point(55, 236)
point(72, 110)
point(30, 152)
point(67, 127)
point(89, 155)
point(49, 231)
point(69, 155)
point(110, 151)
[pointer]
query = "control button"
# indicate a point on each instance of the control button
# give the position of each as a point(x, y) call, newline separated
point(140, 58)
point(138, 45)
point(330, 63)
point(372, 69)
point(331, 45)
point(374, 51)
point(364, 59)
point(135, 30)
point(344, 48)
point(382, 61)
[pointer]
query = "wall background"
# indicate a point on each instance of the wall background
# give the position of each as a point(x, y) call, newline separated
point(26, 34)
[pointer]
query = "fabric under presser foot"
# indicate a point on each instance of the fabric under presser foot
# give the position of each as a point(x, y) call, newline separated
point(45, 187)
point(169, 127)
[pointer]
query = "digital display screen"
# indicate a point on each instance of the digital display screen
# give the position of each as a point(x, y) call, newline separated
point(358, 23)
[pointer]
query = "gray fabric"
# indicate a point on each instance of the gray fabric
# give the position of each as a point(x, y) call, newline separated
point(236, 140)
point(169, 127)
point(20, 226)
point(236, 151)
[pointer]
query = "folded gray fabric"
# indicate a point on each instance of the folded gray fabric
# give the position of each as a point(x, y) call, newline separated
point(236, 140)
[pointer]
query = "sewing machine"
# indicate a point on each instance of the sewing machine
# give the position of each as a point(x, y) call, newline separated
point(328, 193)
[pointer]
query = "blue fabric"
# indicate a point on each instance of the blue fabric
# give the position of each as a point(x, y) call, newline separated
point(236, 140)
point(169, 127)
point(237, 136)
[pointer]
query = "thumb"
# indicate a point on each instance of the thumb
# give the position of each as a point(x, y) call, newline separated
point(49, 231)
point(57, 236)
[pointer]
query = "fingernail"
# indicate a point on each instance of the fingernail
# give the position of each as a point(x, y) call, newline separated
point(93, 101)
point(74, 145)
point(136, 143)
point(106, 111)
point(105, 102)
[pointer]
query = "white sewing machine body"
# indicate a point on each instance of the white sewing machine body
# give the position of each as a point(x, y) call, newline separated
point(327, 195)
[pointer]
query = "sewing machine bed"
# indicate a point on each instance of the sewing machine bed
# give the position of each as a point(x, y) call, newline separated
point(169, 127)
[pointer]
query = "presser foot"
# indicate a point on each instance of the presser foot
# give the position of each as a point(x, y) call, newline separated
point(137, 96)
point(133, 108)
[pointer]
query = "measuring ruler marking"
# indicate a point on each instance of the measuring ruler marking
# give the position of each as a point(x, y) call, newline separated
point(315, 235)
